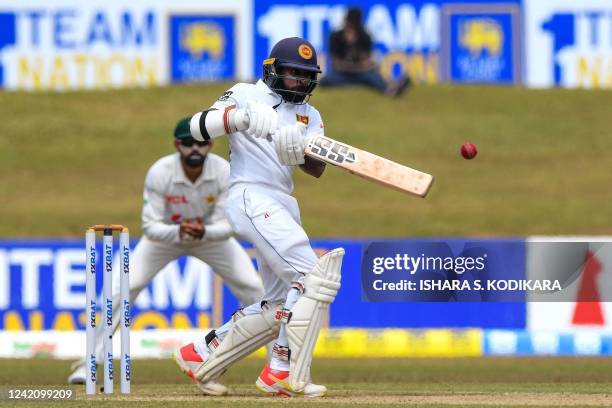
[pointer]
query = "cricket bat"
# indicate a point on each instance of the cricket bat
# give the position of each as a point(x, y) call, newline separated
point(369, 166)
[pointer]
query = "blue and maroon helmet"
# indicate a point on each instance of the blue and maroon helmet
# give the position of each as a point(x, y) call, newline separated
point(297, 53)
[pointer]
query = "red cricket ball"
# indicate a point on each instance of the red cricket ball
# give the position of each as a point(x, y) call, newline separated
point(469, 151)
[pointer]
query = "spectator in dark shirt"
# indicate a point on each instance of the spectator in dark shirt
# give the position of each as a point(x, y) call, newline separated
point(350, 50)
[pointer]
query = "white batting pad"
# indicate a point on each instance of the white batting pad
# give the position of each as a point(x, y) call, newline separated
point(320, 288)
point(247, 334)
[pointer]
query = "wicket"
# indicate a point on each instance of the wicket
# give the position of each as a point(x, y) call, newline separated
point(107, 307)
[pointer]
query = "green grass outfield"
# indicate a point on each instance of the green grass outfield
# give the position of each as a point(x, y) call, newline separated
point(69, 160)
point(465, 382)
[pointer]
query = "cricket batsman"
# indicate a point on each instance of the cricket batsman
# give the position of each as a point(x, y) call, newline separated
point(269, 124)
point(183, 215)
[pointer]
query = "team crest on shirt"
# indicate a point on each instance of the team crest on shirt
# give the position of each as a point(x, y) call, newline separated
point(211, 199)
point(303, 119)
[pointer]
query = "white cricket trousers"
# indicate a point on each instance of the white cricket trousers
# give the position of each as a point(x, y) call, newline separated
point(270, 220)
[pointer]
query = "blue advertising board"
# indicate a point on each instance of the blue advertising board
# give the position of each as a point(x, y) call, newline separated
point(202, 48)
point(42, 286)
point(481, 43)
point(407, 35)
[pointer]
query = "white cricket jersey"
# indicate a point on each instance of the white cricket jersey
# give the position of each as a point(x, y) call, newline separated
point(254, 160)
point(170, 198)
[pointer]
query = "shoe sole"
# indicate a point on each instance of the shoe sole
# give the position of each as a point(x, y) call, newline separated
point(266, 389)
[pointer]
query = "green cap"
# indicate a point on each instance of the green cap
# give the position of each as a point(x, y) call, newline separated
point(181, 131)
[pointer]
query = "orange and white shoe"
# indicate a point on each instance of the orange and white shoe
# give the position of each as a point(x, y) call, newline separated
point(275, 382)
point(188, 359)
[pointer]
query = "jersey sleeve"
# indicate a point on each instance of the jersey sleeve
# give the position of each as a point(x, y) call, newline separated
point(217, 120)
point(219, 227)
point(153, 207)
point(233, 96)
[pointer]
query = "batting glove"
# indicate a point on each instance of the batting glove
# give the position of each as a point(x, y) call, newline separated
point(290, 142)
